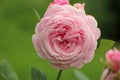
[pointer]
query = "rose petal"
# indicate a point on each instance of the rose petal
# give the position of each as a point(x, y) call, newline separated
point(93, 26)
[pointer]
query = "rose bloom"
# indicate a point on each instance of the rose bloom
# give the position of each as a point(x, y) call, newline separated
point(113, 59)
point(66, 36)
point(108, 75)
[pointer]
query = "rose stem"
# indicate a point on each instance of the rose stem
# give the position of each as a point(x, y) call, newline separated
point(59, 74)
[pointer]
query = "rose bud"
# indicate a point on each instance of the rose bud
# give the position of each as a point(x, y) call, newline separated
point(113, 59)
point(108, 75)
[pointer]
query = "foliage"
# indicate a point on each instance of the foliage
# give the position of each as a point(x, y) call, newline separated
point(7, 72)
point(105, 45)
point(37, 74)
point(80, 75)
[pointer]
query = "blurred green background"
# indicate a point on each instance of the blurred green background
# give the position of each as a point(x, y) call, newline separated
point(17, 23)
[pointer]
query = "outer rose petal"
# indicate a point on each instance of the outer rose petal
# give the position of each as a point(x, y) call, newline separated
point(53, 10)
point(56, 9)
point(93, 23)
point(36, 45)
point(40, 25)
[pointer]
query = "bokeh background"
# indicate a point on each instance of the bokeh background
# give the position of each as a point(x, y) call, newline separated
point(17, 23)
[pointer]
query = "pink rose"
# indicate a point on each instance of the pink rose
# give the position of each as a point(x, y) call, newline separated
point(66, 36)
point(113, 59)
point(108, 75)
point(60, 2)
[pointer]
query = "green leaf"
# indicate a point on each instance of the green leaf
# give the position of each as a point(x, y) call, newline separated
point(37, 74)
point(105, 45)
point(37, 14)
point(7, 71)
point(80, 75)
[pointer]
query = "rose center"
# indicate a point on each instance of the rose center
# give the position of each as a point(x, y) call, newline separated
point(62, 37)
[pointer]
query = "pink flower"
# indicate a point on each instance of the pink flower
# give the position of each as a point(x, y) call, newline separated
point(113, 59)
point(61, 2)
point(108, 75)
point(66, 36)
